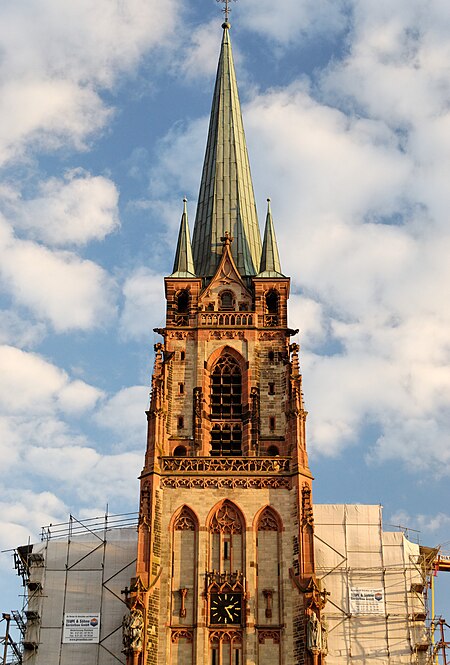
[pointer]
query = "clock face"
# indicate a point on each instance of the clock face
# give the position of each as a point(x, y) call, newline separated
point(225, 608)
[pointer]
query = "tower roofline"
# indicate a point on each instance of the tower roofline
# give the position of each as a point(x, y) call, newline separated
point(226, 201)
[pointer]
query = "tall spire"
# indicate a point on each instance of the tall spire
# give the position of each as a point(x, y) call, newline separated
point(183, 266)
point(270, 259)
point(226, 201)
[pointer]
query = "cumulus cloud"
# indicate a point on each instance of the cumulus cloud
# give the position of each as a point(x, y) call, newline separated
point(55, 62)
point(88, 475)
point(296, 19)
point(124, 414)
point(359, 174)
point(427, 523)
point(15, 329)
point(56, 286)
point(29, 382)
point(28, 510)
point(144, 303)
point(74, 210)
point(200, 56)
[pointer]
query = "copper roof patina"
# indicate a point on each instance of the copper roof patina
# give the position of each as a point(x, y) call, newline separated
point(226, 201)
point(270, 259)
point(183, 265)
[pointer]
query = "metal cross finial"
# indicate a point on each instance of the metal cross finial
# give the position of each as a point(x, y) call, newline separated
point(226, 10)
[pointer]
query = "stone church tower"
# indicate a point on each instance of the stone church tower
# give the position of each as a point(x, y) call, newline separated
point(225, 564)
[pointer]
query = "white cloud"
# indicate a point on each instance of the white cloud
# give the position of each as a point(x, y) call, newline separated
point(56, 286)
point(54, 60)
point(31, 384)
point(73, 210)
point(87, 474)
point(179, 160)
point(200, 57)
point(124, 414)
point(24, 512)
point(77, 396)
point(47, 115)
point(421, 522)
point(368, 200)
point(144, 304)
point(295, 19)
point(16, 330)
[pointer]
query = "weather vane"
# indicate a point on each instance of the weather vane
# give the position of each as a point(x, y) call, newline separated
point(226, 10)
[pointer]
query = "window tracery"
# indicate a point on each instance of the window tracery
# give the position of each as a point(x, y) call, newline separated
point(226, 519)
point(226, 406)
point(185, 521)
point(268, 521)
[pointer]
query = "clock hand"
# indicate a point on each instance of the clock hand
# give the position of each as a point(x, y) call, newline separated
point(228, 611)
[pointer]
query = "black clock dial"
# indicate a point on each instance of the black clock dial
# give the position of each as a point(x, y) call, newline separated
point(225, 608)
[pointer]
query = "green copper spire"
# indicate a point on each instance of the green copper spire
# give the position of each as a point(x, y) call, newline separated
point(226, 201)
point(183, 266)
point(270, 259)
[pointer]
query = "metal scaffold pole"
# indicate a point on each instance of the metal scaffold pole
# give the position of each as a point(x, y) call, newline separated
point(7, 618)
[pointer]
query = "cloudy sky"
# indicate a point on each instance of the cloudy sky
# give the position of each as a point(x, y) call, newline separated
point(103, 116)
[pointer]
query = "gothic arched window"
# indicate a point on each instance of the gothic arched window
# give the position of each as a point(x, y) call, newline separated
point(226, 407)
point(184, 539)
point(268, 553)
point(226, 389)
point(226, 528)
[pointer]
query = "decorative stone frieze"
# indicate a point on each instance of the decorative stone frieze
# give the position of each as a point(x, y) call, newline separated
point(269, 634)
point(226, 483)
point(277, 465)
point(182, 634)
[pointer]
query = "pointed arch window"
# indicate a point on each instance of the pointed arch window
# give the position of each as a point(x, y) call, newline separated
point(226, 407)
point(226, 528)
point(268, 528)
point(184, 538)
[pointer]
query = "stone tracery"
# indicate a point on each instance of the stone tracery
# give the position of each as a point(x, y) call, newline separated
point(226, 519)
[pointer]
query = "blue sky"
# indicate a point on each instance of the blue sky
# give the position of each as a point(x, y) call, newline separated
point(103, 116)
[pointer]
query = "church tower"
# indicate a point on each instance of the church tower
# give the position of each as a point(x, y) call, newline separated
point(225, 564)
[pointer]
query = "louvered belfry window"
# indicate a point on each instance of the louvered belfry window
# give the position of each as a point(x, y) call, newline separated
point(226, 407)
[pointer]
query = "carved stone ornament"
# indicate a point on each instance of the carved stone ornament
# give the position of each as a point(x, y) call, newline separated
point(283, 483)
point(180, 334)
point(133, 631)
point(182, 634)
point(307, 509)
point(226, 334)
point(267, 521)
point(226, 465)
point(226, 636)
point(269, 634)
point(225, 582)
point(226, 520)
point(270, 335)
point(184, 521)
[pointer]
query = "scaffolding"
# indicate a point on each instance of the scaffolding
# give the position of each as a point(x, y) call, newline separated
point(79, 567)
point(377, 609)
point(11, 652)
